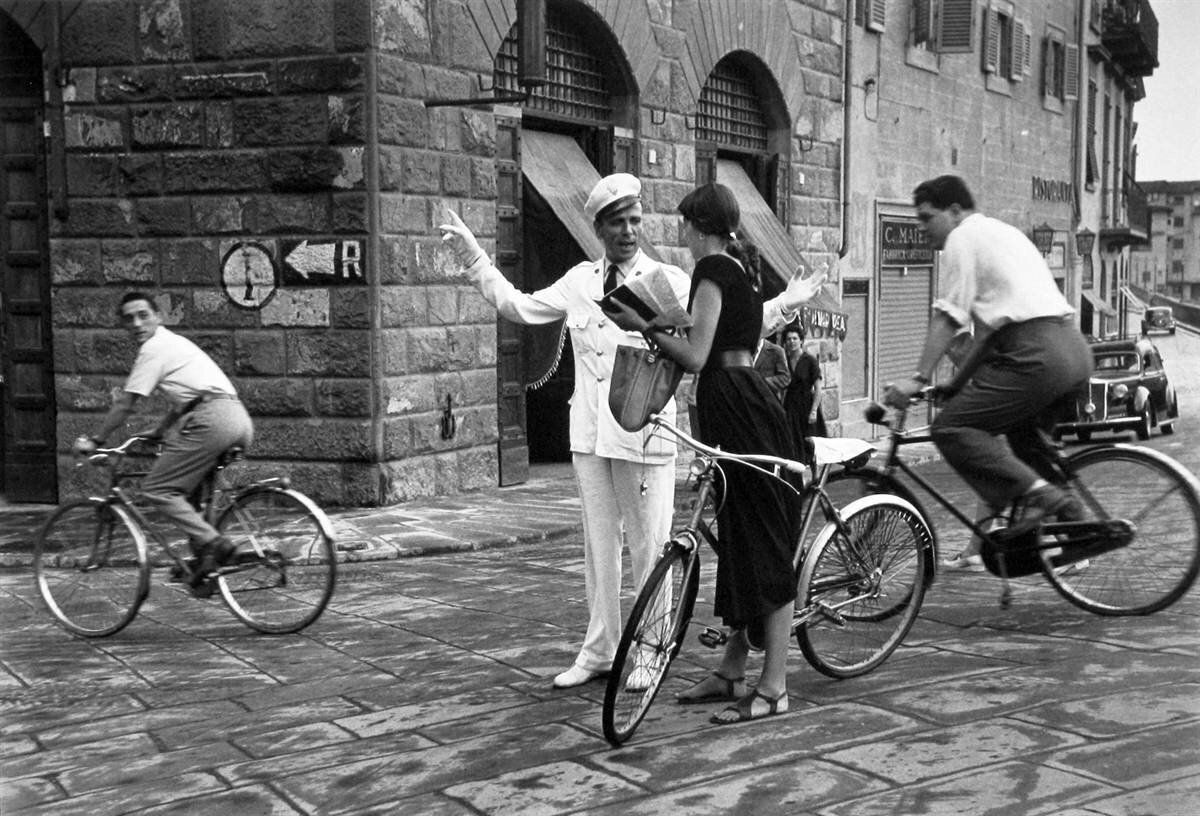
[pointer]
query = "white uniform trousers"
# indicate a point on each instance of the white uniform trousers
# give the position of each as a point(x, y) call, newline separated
point(613, 502)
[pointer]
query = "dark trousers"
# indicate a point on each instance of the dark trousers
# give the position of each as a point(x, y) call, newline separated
point(989, 432)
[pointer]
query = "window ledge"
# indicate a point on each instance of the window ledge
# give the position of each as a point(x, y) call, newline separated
point(999, 84)
point(922, 58)
point(1052, 104)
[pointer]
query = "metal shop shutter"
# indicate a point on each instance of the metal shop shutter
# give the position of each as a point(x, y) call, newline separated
point(905, 295)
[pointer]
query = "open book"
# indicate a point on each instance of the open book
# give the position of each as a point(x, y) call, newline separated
point(651, 295)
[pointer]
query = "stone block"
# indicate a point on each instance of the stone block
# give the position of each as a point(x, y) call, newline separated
point(304, 170)
point(351, 25)
point(128, 262)
point(403, 78)
point(140, 174)
point(344, 398)
point(188, 263)
point(442, 308)
point(297, 307)
point(75, 262)
point(349, 307)
point(211, 309)
point(276, 122)
point(477, 387)
point(176, 125)
point(391, 169)
point(270, 214)
point(259, 352)
point(93, 174)
point(100, 33)
point(161, 32)
point(485, 343)
point(478, 133)
point(81, 86)
point(393, 267)
point(413, 478)
point(478, 468)
point(352, 174)
point(457, 40)
point(94, 130)
point(462, 347)
point(402, 27)
point(99, 217)
point(73, 392)
point(456, 175)
point(403, 122)
point(215, 171)
point(402, 213)
point(164, 216)
point(402, 396)
point(218, 125)
point(278, 28)
point(323, 74)
point(393, 351)
point(337, 352)
point(427, 349)
point(247, 80)
point(277, 397)
point(349, 213)
point(326, 439)
point(220, 214)
point(483, 179)
point(403, 306)
point(473, 307)
point(346, 124)
point(421, 172)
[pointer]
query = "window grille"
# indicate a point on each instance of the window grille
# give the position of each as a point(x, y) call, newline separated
point(577, 83)
point(730, 113)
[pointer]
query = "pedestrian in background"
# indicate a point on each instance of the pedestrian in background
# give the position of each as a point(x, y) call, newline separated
point(771, 362)
point(801, 400)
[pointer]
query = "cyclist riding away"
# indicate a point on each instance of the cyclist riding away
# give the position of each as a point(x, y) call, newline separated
point(205, 419)
point(1027, 355)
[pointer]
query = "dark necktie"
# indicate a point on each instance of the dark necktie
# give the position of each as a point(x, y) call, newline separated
point(610, 280)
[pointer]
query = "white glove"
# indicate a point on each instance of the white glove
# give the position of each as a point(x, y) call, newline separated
point(800, 290)
point(458, 237)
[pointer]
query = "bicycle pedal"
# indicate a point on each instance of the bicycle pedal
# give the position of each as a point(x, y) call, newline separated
point(713, 638)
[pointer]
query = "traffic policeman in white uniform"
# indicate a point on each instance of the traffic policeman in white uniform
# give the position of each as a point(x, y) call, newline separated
point(626, 480)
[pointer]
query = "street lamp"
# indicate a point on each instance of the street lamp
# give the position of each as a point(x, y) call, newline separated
point(1085, 239)
point(1043, 238)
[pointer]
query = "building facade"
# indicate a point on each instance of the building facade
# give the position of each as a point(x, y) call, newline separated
point(1031, 103)
point(274, 172)
point(1169, 264)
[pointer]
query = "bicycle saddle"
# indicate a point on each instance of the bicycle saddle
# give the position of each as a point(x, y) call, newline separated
point(839, 450)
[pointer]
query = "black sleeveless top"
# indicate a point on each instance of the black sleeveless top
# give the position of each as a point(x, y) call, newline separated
point(740, 323)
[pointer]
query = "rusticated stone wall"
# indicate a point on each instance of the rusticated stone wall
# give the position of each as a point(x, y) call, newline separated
point(193, 126)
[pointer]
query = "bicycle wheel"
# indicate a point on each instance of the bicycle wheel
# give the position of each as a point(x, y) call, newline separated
point(650, 641)
point(1161, 501)
point(284, 570)
point(90, 563)
point(862, 585)
point(844, 486)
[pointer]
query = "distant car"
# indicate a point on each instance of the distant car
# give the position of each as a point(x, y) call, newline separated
point(1127, 391)
point(1158, 319)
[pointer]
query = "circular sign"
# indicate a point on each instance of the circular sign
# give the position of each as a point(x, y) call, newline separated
point(248, 275)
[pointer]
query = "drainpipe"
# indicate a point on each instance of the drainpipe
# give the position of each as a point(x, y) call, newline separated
point(847, 87)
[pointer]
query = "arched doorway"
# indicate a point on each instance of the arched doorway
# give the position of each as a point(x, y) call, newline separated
point(27, 415)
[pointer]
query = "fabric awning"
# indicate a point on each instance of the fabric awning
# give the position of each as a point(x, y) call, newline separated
point(763, 229)
point(1133, 299)
point(1098, 303)
point(558, 169)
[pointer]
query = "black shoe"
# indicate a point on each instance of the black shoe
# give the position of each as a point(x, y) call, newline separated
point(1039, 504)
point(211, 557)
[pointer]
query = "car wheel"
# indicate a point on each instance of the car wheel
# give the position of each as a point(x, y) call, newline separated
point(1167, 428)
point(1143, 428)
point(1084, 436)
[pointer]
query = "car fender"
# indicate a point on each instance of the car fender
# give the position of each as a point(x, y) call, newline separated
point(1141, 397)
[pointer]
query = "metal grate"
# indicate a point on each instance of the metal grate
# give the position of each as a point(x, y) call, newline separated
point(577, 83)
point(730, 113)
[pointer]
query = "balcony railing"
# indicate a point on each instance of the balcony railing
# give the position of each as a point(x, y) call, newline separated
point(1129, 31)
point(1130, 225)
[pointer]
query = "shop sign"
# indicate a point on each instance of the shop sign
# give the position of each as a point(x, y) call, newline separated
point(1050, 190)
point(902, 242)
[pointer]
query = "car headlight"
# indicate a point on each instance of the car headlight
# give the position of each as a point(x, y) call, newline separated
point(1120, 391)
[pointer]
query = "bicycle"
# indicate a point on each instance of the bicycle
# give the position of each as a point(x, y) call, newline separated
point(861, 580)
point(93, 569)
point(1135, 551)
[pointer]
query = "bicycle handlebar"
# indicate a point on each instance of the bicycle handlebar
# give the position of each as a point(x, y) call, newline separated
point(101, 456)
point(754, 460)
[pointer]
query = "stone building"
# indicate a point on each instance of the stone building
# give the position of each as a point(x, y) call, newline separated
point(1169, 264)
point(1031, 103)
point(274, 171)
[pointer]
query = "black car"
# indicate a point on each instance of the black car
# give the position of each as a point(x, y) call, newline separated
point(1128, 390)
point(1158, 319)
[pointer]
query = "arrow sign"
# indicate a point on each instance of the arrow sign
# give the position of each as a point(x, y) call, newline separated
point(323, 262)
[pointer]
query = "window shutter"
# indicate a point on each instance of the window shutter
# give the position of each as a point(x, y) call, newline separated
point(954, 26)
point(1017, 69)
point(876, 14)
point(779, 194)
point(1048, 57)
point(922, 21)
point(706, 164)
point(991, 41)
point(1027, 68)
point(1071, 74)
point(860, 11)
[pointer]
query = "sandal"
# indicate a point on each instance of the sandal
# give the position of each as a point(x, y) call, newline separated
point(720, 696)
point(744, 708)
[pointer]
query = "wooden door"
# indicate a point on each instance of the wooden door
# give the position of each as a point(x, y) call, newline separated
point(510, 380)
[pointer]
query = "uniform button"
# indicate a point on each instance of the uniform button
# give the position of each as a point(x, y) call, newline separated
point(599, 352)
point(602, 323)
point(600, 379)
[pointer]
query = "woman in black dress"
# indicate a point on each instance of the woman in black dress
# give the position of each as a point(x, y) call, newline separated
point(800, 397)
point(756, 581)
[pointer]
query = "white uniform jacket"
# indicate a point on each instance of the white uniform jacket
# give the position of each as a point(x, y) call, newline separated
point(594, 340)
